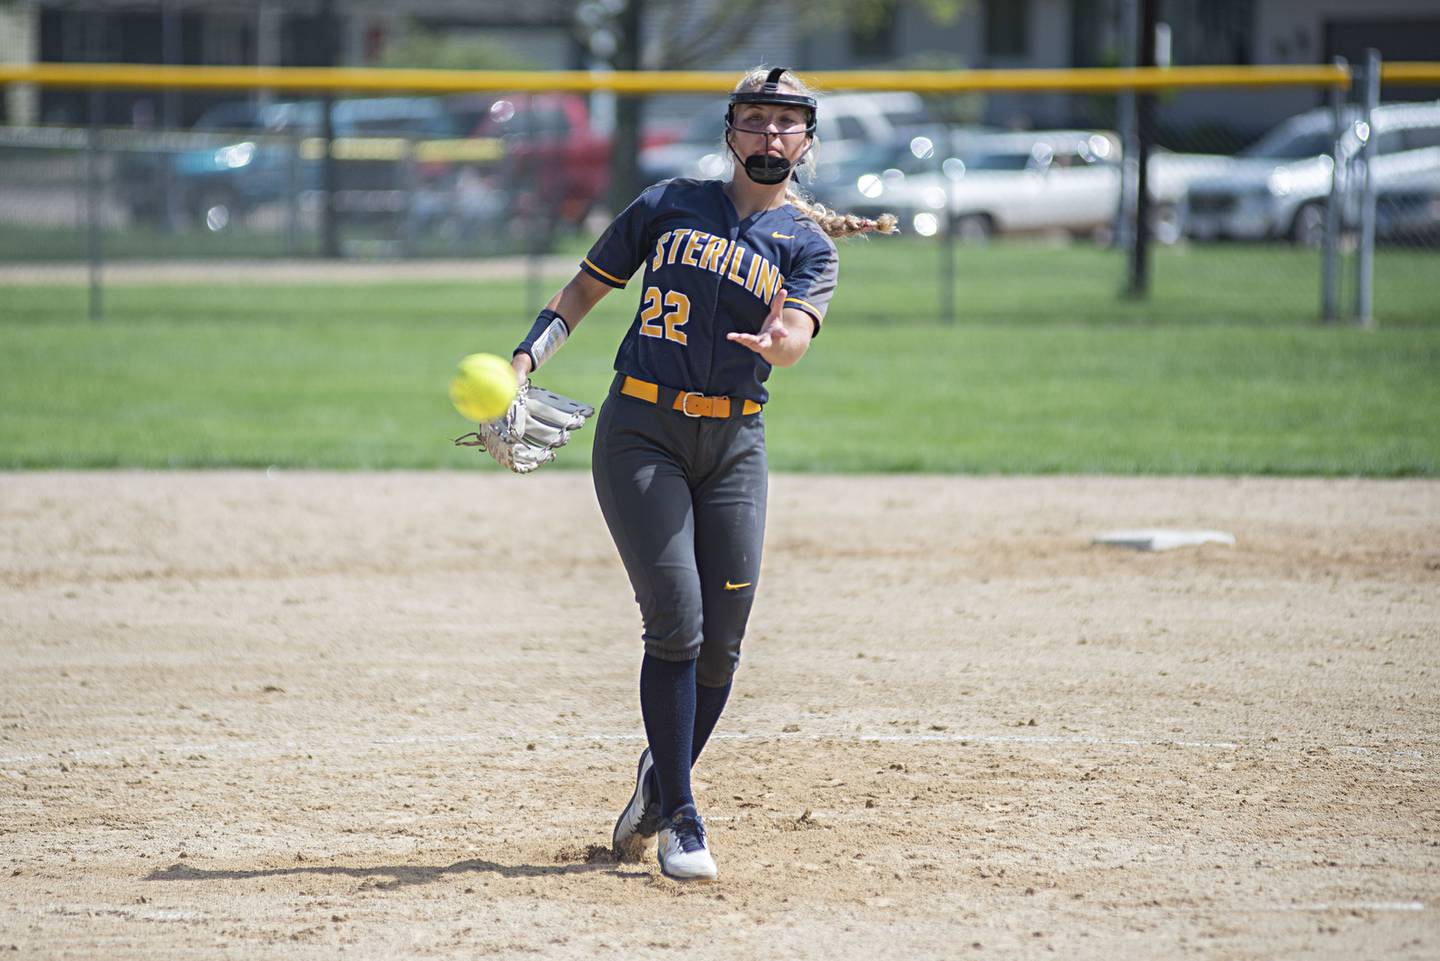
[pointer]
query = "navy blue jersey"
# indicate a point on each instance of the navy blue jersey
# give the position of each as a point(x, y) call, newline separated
point(708, 273)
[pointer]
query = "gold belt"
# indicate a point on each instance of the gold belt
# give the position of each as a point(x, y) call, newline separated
point(688, 402)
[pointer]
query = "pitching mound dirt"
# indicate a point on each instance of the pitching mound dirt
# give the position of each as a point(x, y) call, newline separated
point(394, 715)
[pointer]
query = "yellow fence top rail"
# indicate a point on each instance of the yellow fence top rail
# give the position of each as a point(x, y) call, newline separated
point(364, 80)
point(1410, 72)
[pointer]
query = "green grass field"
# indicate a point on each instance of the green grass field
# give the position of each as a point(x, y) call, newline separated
point(1222, 370)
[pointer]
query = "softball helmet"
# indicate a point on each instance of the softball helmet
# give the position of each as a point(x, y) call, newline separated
point(763, 168)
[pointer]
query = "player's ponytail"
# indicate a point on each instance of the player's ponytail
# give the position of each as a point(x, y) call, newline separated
point(832, 222)
point(837, 224)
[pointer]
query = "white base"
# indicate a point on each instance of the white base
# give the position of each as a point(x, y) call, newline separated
point(1162, 540)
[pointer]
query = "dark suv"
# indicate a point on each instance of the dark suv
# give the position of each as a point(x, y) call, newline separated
point(241, 156)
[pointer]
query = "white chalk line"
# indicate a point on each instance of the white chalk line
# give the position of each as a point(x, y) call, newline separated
point(136, 753)
point(1355, 906)
point(173, 915)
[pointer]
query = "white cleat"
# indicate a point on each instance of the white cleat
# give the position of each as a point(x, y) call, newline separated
point(683, 850)
point(641, 818)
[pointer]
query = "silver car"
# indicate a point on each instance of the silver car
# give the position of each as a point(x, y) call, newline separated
point(1407, 210)
point(1037, 181)
point(1279, 187)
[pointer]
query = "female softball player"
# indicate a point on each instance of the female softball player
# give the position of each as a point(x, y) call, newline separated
point(737, 277)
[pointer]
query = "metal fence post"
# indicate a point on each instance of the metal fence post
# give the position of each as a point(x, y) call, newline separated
point(170, 215)
point(947, 239)
point(329, 230)
point(1329, 275)
point(409, 181)
point(1125, 109)
point(1138, 285)
point(94, 51)
point(1365, 261)
point(1129, 172)
point(294, 189)
point(93, 250)
point(531, 180)
point(947, 267)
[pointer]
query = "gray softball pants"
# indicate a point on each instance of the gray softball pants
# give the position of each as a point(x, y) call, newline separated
point(684, 499)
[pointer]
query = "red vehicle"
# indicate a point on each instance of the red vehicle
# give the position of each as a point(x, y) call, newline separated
point(554, 160)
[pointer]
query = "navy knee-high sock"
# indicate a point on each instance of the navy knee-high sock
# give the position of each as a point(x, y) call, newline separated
point(667, 702)
point(709, 703)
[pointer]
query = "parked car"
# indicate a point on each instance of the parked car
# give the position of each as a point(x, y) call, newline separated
point(1279, 187)
point(556, 165)
point(848, 124)
point(833, 181)
point(1407, 210)
point(1018, 182)
point(242, 155)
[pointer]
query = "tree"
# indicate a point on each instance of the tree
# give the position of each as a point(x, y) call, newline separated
point(693, 34)
point(419, 46)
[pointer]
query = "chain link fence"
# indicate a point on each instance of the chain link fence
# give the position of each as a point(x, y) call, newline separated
point(409, 177)
point(1238, 177)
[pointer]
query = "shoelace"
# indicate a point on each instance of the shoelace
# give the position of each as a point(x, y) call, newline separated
point(690, 832)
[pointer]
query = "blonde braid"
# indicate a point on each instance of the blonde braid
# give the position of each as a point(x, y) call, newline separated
point(837, 224)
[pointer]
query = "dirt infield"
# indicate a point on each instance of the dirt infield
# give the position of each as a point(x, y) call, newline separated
point(306, 715)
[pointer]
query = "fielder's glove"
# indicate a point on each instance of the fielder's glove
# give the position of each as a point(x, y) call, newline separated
point(536, 425)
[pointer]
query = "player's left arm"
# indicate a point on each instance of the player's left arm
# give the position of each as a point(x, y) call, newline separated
point(784, 336)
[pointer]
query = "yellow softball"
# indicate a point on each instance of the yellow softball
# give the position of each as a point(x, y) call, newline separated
point(483, 388)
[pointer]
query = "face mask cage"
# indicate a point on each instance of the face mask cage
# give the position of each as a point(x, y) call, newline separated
point(769, 94)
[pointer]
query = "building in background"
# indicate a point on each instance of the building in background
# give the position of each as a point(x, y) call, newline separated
point(995, 34)
point(1012, 34)
point(286, 33)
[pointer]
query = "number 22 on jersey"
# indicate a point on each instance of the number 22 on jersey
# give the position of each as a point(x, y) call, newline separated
point(675, 307)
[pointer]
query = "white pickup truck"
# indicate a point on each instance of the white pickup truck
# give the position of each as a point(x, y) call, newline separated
point(1056, 180)
point(1279, 187)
